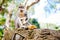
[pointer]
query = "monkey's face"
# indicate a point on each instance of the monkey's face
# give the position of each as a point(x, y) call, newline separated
point(22, 11)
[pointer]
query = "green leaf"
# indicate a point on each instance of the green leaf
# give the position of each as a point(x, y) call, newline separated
point(56, 27)
point(2, 21)
point(12, 24)
point(1, 32)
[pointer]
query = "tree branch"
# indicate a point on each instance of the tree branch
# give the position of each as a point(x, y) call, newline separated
point(32, 4)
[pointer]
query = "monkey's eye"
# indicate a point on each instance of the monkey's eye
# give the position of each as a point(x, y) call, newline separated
point(21, 7)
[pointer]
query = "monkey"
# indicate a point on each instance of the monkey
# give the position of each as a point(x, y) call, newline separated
point(21, 20)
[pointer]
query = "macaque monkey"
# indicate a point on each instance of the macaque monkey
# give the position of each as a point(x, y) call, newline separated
point(21, 20)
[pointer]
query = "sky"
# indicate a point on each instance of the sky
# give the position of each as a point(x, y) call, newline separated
point(40, 14)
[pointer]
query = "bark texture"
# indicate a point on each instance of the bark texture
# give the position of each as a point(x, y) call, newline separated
point(36, 34)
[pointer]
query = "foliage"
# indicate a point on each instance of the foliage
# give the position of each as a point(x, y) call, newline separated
point(2, 21)
point(3, 6)
point(12, 24)
point(4, 2)
point(50, 26)
point(34, 22)
point(56, 27)
point(1, 33)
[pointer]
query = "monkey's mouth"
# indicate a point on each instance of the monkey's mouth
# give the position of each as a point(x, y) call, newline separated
point(21, 10)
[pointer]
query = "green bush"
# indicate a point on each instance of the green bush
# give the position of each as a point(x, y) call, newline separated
point(34, 22)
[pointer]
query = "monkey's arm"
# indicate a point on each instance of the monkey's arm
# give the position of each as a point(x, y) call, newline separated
point(32, 4)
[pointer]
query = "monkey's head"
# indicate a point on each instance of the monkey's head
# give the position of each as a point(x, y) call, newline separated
point(21, 8)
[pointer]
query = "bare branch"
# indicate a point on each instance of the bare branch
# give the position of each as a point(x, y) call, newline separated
point(26, 2)
point(8, 19)
point(32, 4)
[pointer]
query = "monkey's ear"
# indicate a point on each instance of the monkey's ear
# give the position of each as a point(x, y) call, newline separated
point(32, 4)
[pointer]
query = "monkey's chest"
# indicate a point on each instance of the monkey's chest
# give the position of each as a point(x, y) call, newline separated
point(23, 20)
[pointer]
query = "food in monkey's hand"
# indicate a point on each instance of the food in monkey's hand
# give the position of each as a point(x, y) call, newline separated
point(31, 27)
